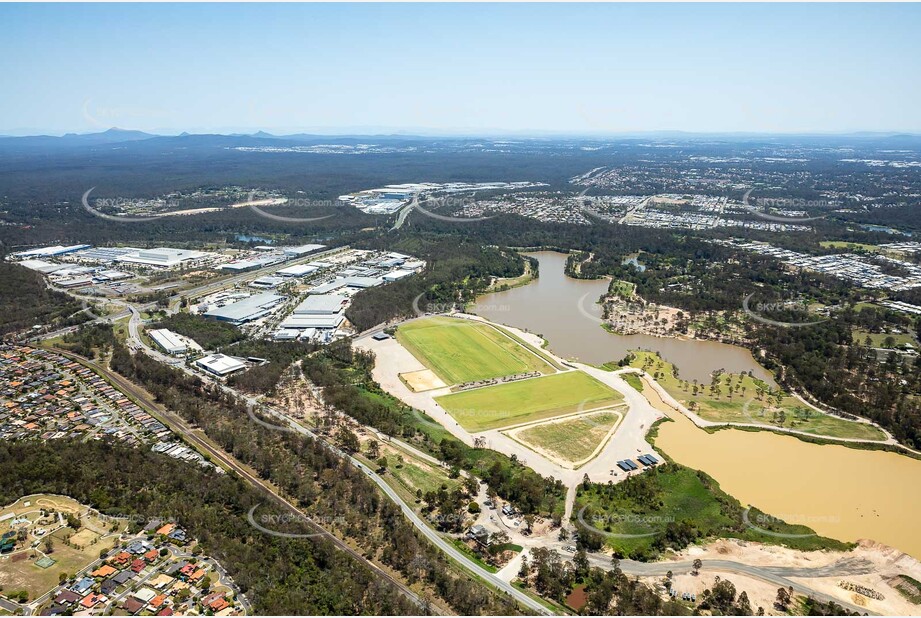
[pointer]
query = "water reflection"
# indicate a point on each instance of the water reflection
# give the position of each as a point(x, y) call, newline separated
point(565, 312)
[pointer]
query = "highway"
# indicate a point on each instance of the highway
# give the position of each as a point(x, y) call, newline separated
point(225, 282)
point(770, 574)
point(773, 575)
point(404, 213)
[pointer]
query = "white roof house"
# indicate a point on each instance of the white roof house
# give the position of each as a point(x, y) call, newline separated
point(267, 282)
point(42, 266)
point(302, 250)
point(220, 364)
point(363, 282)
point(396, 275)
point(328, 287)
point(286, 334)
point(50, 251)
point(168, 340)
point(246, 310)
point(297, 270)
point(164, 257)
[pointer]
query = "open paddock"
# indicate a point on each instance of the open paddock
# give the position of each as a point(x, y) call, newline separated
point(573, 440)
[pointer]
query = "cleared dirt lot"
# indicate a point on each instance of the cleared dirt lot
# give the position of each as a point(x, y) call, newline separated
point(421, 381)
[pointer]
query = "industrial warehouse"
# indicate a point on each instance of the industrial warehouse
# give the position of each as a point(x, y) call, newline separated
point(306, 301)
point(320, 315)
point(246, 309)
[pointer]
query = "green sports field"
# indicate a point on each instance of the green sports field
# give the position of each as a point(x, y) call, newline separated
point(527, 400)
point(463, 351)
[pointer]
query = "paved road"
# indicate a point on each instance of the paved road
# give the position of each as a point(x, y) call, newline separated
point(179, 426)
point(420, 524)
point(404, 213)
point(9, 606)
point(213, 286)
point(774, 575)
point(436, 539)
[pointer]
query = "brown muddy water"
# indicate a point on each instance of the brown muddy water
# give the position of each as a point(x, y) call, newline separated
point(840, 492)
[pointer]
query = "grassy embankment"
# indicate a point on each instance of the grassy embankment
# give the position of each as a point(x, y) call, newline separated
point(674, 506)
point(741, 398)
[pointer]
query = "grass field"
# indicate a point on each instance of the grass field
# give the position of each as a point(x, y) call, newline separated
point(527, 400)
point(86, 544)
point(415, 474)
point(572, 440)
point(739, 398)
point(624, 289)
point(878, 340)
point(464, 351)
point(538, 351)
point(843, 244)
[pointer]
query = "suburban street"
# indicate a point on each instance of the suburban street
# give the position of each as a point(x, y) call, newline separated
point(202, 444)
point(641, 415)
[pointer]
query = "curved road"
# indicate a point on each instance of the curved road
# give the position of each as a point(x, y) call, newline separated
point(774, 575)
point(179, 426)
point(420, 524)
point(446, 547)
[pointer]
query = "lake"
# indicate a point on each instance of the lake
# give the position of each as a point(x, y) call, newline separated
point(840, 492)
point(566, 313)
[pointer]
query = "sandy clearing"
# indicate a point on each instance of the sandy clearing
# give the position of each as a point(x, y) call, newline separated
point(421, 381)
point(883, 561)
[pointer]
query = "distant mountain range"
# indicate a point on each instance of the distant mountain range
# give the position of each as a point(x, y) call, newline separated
point(114, 137)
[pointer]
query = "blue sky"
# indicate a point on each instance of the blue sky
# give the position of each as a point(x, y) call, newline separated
point(461, 68)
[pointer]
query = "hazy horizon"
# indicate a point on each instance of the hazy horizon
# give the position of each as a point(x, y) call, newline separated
point(408, 132)
point(462, 69)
